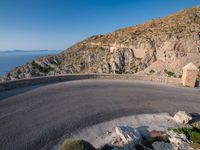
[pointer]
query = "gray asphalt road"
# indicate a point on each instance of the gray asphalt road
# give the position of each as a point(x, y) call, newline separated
point(34, 117)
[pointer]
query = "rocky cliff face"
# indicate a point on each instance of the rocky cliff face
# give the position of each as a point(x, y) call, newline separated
point(162, 47)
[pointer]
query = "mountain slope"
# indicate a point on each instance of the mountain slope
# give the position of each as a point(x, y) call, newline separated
point(156, 47)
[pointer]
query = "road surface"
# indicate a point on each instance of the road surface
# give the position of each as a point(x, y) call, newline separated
point(36, 117)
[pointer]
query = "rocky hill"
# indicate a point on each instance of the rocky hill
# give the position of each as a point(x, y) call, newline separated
point(158, 47)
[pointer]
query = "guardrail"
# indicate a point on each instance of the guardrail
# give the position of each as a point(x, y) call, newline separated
point(51, 79)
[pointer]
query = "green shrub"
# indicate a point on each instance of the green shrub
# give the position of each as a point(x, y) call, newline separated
point(56, 63)
point(152, 71)
point(71, 144)
point(170, 73)
point(40, 68)
point(193, 134)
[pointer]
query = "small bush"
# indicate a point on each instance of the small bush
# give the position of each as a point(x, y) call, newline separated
point(170, 73)
point(193, 134)
point(56, 63)
point(71, 144)
point(152, 71)
point(40, 68)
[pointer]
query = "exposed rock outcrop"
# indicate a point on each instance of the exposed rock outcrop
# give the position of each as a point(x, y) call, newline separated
point(179, 141)
point(162, 47)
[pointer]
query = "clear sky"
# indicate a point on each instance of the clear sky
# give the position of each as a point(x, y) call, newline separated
point(57, 24)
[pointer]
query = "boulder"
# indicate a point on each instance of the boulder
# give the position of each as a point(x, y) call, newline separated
point(179, 141)
point(158, 135)
point(127, 147)
point(141, 147)
point(182, 117)
point(154, 136)
point(160, 145)
point(189, 76)
point(107, 147)
point(129, 135)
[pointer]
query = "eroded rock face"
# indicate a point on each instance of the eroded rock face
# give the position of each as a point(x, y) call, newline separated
point(163, 45)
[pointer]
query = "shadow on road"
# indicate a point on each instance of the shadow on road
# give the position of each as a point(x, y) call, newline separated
point(17, 91)
point(197, 83)
point(195, 117)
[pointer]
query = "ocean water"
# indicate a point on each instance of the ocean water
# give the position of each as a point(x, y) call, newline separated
point(10, 60)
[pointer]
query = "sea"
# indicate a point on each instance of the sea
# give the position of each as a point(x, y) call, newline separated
point(11, 59)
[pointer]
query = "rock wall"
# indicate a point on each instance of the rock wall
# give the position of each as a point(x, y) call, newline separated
point(52, 79)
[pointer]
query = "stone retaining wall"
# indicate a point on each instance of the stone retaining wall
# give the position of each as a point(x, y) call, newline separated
point(51, 79)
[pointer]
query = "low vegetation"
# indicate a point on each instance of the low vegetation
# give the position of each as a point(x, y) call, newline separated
point(170, 73)
point(193, 134)
point(71, 144)
point(152, 71)
point(56, 63)
point(41, 68)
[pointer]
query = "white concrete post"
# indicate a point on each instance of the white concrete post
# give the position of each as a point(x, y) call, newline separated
point(189, 75)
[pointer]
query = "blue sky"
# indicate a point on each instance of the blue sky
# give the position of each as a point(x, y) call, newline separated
point(57, 24)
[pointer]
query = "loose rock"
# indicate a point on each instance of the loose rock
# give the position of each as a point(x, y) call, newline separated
point(129, 135)
point(158, 135)
point(162, 146)
point(154, 136)
point(179, 141)
point(182, 117)
point(107, 147)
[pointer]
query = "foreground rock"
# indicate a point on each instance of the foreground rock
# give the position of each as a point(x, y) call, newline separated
point(158, 140)
point(158, 135)
point(182, 118)
point(179, 141)
point(107, 147)
point(155, 136)
point(126, 137)
point(162, 146)
point(158, 47)
point(129, 135)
